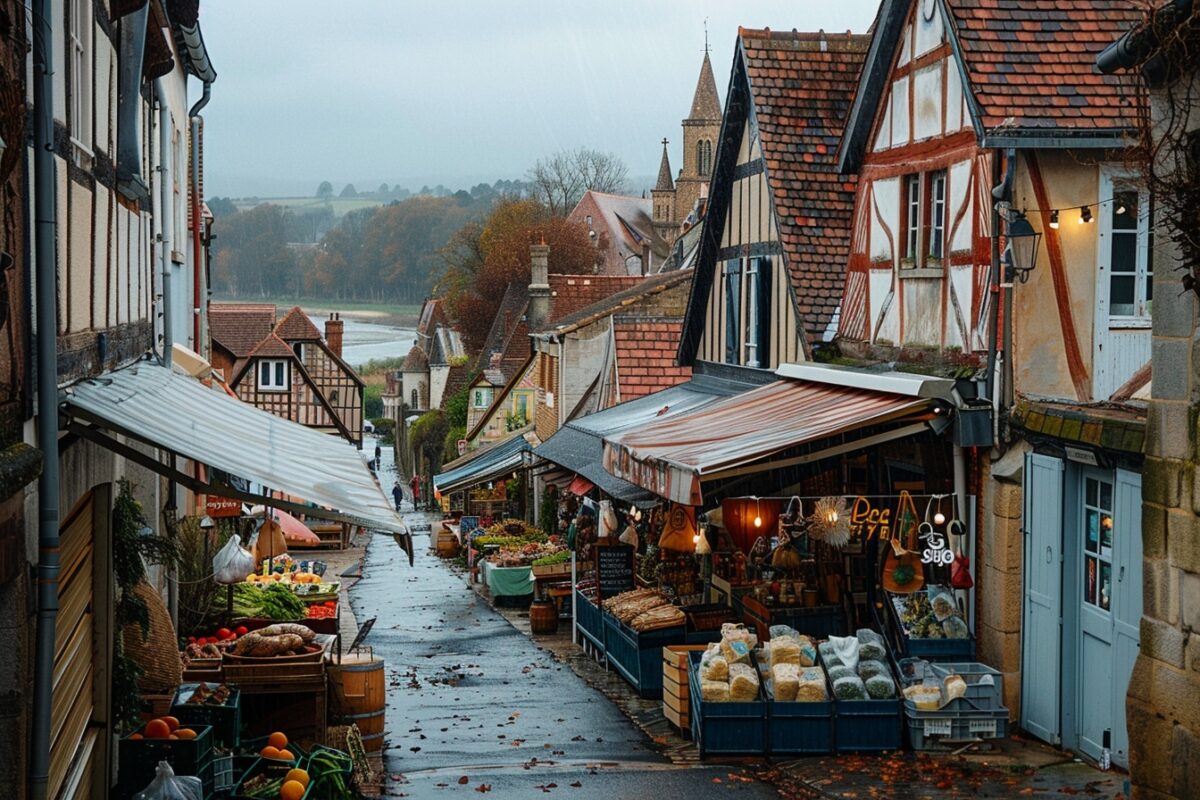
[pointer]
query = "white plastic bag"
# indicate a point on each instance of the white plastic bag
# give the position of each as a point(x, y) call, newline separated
point(630, 536)
point(167, 786)
point(232, 563)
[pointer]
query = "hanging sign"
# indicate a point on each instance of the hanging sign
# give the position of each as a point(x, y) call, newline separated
point(217, 506)
point(936, 552)
point(867, 522)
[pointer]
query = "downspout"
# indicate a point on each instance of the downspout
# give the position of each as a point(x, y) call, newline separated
point(1001, 192)
point(166, 213)
point(197, 266)
point(1008, 394)
point(46, 273)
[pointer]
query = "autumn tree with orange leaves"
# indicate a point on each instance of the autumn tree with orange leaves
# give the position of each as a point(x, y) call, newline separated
point(483, 258)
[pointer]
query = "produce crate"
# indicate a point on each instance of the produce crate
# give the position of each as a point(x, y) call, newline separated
point(206, 670)
point(589, 619)
point(989, 697)
point(701, 637)
point(819, 622)
point(676, 686)
point(225, 774)
point(960, 720)
point(725, 728)
point(638, 656)
point(226, 720)
point(867, 726)
point(327, 625)
point(263, 766)
point(552, 570)
point(930, 649)
point(239, 673)
point(708, 617)
point(795, 728)
point(137, 760)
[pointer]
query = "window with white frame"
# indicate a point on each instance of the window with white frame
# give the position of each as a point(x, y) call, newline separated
point(912, 218)
point(273, 375)
point(79, 55)
point(481, 397)
point(758, 312)
point(1130, 285)
point(733, 307)
point(937, 214)
point(923, 219)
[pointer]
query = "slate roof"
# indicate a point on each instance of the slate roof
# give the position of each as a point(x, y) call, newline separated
point(664, 184)
point(706, 103)
point(456, 379)
point(645, 351)
point(238, 327)
point(624, 223)
point(296, 326)
point(802, 85)
point(433, 313)
point(1032, 62)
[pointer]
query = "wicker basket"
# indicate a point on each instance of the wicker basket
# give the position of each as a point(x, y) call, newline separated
point(158, 653)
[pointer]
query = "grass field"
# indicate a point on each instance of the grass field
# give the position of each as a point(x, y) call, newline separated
point(387, 313)
point(340, 205)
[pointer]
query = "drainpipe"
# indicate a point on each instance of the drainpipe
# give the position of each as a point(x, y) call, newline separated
point(1008, 395)
point(46, 273)
point(166, 213)
point(197, 267)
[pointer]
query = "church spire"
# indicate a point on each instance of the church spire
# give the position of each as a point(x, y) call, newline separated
point(665, 184)
point(706, 104)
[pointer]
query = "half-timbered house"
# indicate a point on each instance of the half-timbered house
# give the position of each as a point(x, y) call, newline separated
point(971, 121)
point(771, 260)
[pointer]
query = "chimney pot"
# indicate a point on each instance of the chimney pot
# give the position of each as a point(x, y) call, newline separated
point(334, 328)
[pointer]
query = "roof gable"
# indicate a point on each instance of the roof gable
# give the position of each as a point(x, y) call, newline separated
point(1027, 69)
point(296, 326)
point(794, 91)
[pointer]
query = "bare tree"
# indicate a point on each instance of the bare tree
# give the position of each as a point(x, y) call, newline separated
point(560, 180)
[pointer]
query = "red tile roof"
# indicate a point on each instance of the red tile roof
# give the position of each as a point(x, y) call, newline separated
point(238, 327)
point(569, 293)
point(416, 360)
point(646, 356)
point(1032, 62)
point(296, 326)
point(456, 379)
point(802, 85)
point(272, 347)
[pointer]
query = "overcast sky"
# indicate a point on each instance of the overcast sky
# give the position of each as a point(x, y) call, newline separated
point(461, 91)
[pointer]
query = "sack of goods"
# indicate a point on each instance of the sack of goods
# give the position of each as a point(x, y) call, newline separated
point(713, 665)
point(736, 643)
point(743, 683)
point(723, 681)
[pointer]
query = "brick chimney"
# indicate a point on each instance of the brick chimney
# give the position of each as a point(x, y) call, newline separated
point(334, 328)
point(539, 286)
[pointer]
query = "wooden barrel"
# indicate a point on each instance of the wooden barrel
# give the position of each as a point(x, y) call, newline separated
point(359, 697)
point(543, 616)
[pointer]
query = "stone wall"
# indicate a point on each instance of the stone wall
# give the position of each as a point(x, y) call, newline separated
point(1163, 700)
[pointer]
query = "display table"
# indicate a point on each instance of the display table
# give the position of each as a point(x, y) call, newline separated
point(507, 581)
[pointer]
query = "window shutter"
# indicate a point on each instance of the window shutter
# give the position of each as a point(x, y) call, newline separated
point(763, 333)
point(733, 307)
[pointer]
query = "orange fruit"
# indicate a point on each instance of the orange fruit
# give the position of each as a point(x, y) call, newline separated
point(137, 737)
point(269, 752)
point(157, 729)
point(185, 733)
point(298, 775)
point(277, 740)
point(286, 755)
point(291, 790)
point(172, 723)
point(173, 736)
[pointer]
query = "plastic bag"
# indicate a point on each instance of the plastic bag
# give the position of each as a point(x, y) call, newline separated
point(608, 519)
point(845, 649)
point(630, 536)
point(232, 563)
point(167, 786)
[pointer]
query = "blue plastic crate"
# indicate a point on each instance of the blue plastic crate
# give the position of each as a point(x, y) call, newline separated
point(590, 620)
point(987, 696)
point(959, 720)
point(794, 728)
point(638, 656)
point(867, 726)
point(702, 637)
point(725, 728)
point(940, 649)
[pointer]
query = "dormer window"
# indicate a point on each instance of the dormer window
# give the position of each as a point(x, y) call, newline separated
point(273, 375)
point(923, 210)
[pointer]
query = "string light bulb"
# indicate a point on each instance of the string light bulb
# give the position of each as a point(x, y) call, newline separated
point(939, 518)
point(757, 513)
point(1085, 215)
point(1054, 219)
point(1120, 208)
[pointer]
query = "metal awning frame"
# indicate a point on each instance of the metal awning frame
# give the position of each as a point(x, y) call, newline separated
point(97, 433)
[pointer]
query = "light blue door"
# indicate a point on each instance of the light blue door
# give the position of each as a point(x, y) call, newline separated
point(1126, 600)
point(1041, 651)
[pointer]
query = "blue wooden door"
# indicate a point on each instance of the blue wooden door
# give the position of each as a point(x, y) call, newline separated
point(1126, 601)
point(1041, 651)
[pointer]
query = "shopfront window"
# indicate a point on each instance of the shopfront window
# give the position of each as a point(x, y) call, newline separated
point(733, 308)
point(1097, 543)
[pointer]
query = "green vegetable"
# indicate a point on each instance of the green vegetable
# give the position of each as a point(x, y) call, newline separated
point(561, 557)
point(274, 601)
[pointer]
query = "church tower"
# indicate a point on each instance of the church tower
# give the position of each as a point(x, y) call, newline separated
point(663, 198)
point(700, 132)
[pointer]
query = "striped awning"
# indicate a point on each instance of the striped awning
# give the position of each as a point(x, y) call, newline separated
point(672, 456)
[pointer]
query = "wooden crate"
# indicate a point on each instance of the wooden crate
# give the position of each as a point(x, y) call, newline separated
point(552, 570)
point(675, 684)
point(447, 544)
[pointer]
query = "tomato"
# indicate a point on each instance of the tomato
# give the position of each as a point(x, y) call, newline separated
point(224, 633)
point(191, 640)
point(331, 603)
point(241, 630)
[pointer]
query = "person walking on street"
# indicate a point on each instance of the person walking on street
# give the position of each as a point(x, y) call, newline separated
point(415, 484)
point(397, 494)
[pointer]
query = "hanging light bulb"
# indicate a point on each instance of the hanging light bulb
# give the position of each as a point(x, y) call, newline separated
point(1054, 219)
point(757, 513)
point(1120, 208)
point(939, 518)
point(695, 538)
point(1085, 215)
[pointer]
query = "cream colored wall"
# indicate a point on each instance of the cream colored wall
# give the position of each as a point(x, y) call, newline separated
point(1039, 352)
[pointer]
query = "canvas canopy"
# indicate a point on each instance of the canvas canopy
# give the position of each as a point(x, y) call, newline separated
point(500, 459)
point(170, 411)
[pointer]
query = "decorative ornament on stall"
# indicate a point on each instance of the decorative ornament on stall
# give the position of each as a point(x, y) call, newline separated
point(902, 569)
point(703, 548)
point(793, 526)
point(830, 521)
point(936, 552)
point(960, 570)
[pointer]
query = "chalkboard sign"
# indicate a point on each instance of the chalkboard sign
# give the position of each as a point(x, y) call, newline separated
point(614, 569)
point(467, 525)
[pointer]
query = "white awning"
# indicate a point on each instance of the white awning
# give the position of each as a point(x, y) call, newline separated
point(176, 413)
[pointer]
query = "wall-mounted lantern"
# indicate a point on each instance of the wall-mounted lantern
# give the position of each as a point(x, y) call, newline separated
point(1023, 242)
